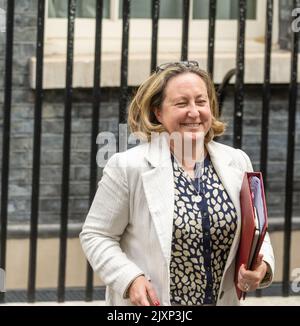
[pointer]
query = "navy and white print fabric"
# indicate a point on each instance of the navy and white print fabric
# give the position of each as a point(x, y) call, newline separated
point(203, 230)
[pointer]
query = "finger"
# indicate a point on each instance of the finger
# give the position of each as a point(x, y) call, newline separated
point(243, 281)
point(241, 286)
point(247, 277)
point(144, 302)
point(141, 299)
point(152, 295)
point(244, 286)
point(244, 273)
point(138, 292)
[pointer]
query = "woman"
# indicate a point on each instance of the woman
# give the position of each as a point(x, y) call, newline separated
point(165, 222)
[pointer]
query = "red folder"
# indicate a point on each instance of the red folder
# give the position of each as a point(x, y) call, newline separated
point(254, 223)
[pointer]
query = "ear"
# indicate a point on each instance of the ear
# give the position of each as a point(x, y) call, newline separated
point(157, 113)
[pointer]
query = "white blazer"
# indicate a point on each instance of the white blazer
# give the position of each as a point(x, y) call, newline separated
point(128, 230)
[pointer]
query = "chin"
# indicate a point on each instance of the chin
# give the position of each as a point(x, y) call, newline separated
point(194, 134)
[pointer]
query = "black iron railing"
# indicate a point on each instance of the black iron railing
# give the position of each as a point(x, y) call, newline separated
point(290, 159)
point(36, 152)
point(238, 71)
point(6, 131)
point(95, 128)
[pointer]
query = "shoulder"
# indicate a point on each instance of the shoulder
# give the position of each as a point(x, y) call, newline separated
point(126, 166)
point(131, 158)
point(236, 155)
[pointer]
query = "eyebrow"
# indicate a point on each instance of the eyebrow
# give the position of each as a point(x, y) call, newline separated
point(183, 97)
point(202, 96)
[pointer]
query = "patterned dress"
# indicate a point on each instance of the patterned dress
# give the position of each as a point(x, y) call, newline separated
point(204, 226)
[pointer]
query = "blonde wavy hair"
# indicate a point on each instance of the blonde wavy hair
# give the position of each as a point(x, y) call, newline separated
point(151, 93)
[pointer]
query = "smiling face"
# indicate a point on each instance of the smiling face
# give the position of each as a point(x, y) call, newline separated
point(185, 108)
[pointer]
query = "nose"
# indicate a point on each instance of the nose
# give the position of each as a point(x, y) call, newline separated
point(193, 111)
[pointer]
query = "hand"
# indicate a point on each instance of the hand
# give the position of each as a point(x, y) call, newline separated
point(249, 280)
point(142, 293)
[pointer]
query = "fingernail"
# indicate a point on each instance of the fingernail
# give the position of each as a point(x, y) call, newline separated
point(156, 303)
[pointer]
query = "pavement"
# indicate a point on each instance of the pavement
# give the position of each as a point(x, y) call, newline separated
point(250, 301)
point(272, 301)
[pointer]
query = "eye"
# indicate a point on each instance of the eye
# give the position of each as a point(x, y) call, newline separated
point(181, 104)
point(202, 102)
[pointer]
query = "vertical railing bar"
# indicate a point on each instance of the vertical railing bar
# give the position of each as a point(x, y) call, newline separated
point(6, 131)
point(266, 94)
point(211, 37)
point(185, 29)
point(66, 153)
point(239, 83)
point(95, 128)
point(154, 39)
point(293, 90)
point(124, 63)
point(36, 152)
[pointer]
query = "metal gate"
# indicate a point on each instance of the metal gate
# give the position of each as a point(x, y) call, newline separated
point(238, 71)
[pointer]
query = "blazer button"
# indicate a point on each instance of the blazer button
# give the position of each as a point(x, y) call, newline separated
point(221, 294)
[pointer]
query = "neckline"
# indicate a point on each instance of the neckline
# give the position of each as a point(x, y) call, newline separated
point(205, 161)
point(191, 179)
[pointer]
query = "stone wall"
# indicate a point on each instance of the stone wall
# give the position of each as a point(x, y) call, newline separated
point(277, 148)
point(20, 176)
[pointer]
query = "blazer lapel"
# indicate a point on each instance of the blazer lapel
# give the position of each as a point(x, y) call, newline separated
point(159, 191)
point(231, 179)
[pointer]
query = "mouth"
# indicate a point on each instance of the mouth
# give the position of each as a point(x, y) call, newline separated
point(191, 125)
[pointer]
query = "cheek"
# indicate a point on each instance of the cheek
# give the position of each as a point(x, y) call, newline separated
point(170, 119)
point(175, 117)
point(208, 114)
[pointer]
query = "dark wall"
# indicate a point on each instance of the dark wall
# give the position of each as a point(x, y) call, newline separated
point(52, 129)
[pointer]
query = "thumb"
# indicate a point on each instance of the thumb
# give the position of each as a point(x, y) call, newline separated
point(152, 294)
point(258, 260)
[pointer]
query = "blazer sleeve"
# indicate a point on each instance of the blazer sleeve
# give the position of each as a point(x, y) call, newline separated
point(104, 226)
point(266, 248)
